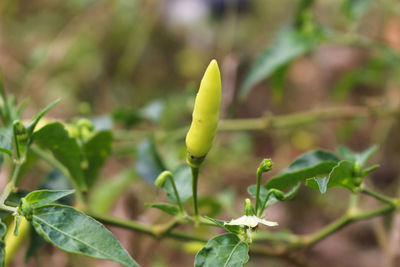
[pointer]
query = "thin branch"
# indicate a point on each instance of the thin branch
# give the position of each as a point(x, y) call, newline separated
point(289, 243)
point(271, 122)
point(338, 224)
point(385, 199)
point(145, 229)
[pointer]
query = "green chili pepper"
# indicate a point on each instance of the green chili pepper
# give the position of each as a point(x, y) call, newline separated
point(201, 134)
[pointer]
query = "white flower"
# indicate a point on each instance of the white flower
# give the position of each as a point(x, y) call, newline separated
point(250, 221)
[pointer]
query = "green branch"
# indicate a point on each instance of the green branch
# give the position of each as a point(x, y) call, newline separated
point(385, 199)
point(342, 222)
point(10, 187)
point(148, 230)
point(286, 243)
point(271, 122)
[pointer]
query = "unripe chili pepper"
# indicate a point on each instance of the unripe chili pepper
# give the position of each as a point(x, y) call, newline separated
point(201, 134)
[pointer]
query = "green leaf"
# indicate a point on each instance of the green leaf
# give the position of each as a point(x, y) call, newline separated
point(363, 157)
point(31, 126)
point(6, 135)
point(317, 183)
point(3, 230)
point(55, 180)
point(342, 175)
point(96, 149)
point(354, 9)
point(223, 250)
point(235, 229)
point(290, 44)
point(183, 181)
point(40, 198)
point(167, 208)
point(148, 164)
point(65, 149)
point(322, 184)
point(352, 156)
point(346, 153)
point(278, 79)
point(369, 170)
point(73, 231)
point(17, 223)
point(312, 164)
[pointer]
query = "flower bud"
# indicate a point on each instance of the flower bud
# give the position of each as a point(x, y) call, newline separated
point(266, 165)
point(248, 207)
point(20, 132)
point(85, 128)
point(160, 181)
point(278, 194)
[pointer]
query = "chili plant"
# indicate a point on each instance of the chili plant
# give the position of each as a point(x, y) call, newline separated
point(78, 151)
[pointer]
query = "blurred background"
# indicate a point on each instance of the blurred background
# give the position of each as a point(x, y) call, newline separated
point(135, 65)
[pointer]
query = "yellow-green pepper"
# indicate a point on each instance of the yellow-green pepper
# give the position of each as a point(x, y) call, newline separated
point(201, 134)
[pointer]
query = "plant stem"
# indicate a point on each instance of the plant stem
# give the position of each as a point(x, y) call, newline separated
point(11, 184)
point(379, 197)
point(300, 118)
point(8, 208)
point(195, 177)
point(271, 121)
point(5, 113)
point(353, 203)
point(342, 222)
point(178, 199)
point(264, 203)
point(259, 175)
point(287, 242)
point(145, 229)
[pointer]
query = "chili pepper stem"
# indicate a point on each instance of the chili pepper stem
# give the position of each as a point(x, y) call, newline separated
point(195, 176)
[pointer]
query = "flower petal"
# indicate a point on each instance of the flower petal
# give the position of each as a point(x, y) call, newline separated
point(267, 223)
point(250, 221)
point(239, 221)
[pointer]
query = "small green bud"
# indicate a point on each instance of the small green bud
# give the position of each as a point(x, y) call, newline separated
point(357, 168)
point(265, 165)
point(248, 208)
point(85, 128)
point(21, 139)
point(85, 123)
point(20, 132)
point(160, 181)
point(278, 194)
point(25, 209)
point(358, 181)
